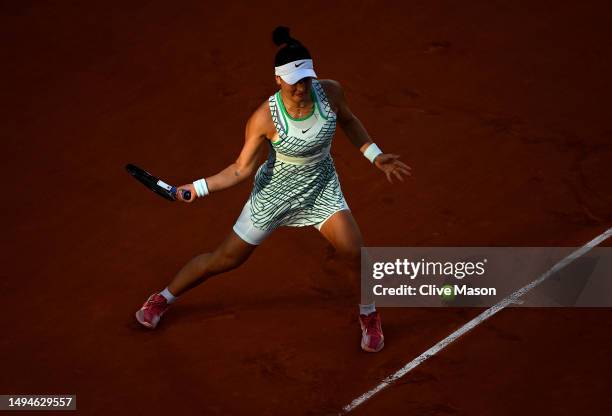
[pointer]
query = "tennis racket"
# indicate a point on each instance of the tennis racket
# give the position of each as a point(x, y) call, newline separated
point(155, 184)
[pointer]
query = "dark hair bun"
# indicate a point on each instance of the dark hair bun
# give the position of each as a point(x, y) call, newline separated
point(292, 50)
point(280, 36)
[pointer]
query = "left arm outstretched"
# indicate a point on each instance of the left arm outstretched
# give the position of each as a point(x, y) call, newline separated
point(358, 135)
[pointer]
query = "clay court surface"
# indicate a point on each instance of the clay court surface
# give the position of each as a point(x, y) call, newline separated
point(502, 108)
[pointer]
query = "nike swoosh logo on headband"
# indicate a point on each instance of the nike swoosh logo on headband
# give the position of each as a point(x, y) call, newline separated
point(304, 131)
point(297, 65)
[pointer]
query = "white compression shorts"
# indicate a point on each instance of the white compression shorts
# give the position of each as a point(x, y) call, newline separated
point(246, 230)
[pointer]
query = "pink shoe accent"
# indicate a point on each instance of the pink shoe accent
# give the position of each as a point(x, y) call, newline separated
point(152, 310)
point(372, 338)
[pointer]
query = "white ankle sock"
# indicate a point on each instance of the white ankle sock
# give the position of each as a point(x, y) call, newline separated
point(367, 309)
point(169, 296)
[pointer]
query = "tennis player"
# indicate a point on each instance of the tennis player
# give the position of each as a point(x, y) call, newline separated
point(296, 186)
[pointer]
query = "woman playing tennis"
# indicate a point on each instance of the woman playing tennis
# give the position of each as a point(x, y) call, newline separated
point(296, 186)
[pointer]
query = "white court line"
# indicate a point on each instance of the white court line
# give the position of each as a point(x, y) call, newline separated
point(475, 322)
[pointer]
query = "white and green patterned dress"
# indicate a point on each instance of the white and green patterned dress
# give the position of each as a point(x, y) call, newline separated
point(298, 185)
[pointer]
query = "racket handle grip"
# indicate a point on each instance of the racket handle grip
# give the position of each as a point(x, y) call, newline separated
point(186, 194)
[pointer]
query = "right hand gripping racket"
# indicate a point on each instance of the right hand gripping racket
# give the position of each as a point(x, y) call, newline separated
point(155, 184)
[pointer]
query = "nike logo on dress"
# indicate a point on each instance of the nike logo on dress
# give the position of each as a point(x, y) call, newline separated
point(304, 131)
point(296, 65)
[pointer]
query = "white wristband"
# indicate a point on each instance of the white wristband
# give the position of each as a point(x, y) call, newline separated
point(371, 152)
point(201, 187)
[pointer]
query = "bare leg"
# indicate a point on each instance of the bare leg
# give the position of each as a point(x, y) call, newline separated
point(232, 252)
point(342, 231)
